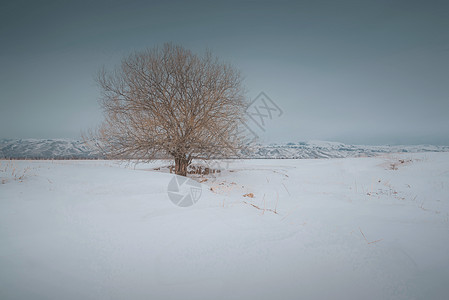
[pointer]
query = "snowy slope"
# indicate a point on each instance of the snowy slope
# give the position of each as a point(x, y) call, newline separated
point(66, 148)
point(45, 149)
point(353, 228)
point(322, 149)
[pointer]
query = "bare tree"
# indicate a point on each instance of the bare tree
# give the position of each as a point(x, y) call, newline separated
point(169, 101)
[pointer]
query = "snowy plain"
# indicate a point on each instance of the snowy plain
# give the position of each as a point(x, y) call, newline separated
point(350, 228)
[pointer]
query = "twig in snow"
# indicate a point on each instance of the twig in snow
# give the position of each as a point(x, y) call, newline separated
point(257, 207)
point(367, 239)
point(277, 200)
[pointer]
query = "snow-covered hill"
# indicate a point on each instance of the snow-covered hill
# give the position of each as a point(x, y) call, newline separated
point(74, 149)
point(322, 149)
point(45, 149)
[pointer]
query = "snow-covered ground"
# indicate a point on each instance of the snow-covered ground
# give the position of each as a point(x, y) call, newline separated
point(351, 228)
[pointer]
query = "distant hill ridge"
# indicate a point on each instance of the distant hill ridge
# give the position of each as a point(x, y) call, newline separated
point(45, 149)
point(323, 149)
point(75, 149)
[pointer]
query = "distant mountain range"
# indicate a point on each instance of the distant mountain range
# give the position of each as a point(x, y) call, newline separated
point(45, 149)
point(322, 149)
point(74, 149)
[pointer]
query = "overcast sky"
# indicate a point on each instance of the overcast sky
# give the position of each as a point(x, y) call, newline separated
point(361, 72)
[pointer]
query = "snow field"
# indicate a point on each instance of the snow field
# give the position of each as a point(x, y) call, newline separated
point(351, 228)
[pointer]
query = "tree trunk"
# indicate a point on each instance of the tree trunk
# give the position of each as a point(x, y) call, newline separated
point(181, 164)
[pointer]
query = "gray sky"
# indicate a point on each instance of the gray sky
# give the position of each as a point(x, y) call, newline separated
point(372, 72)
